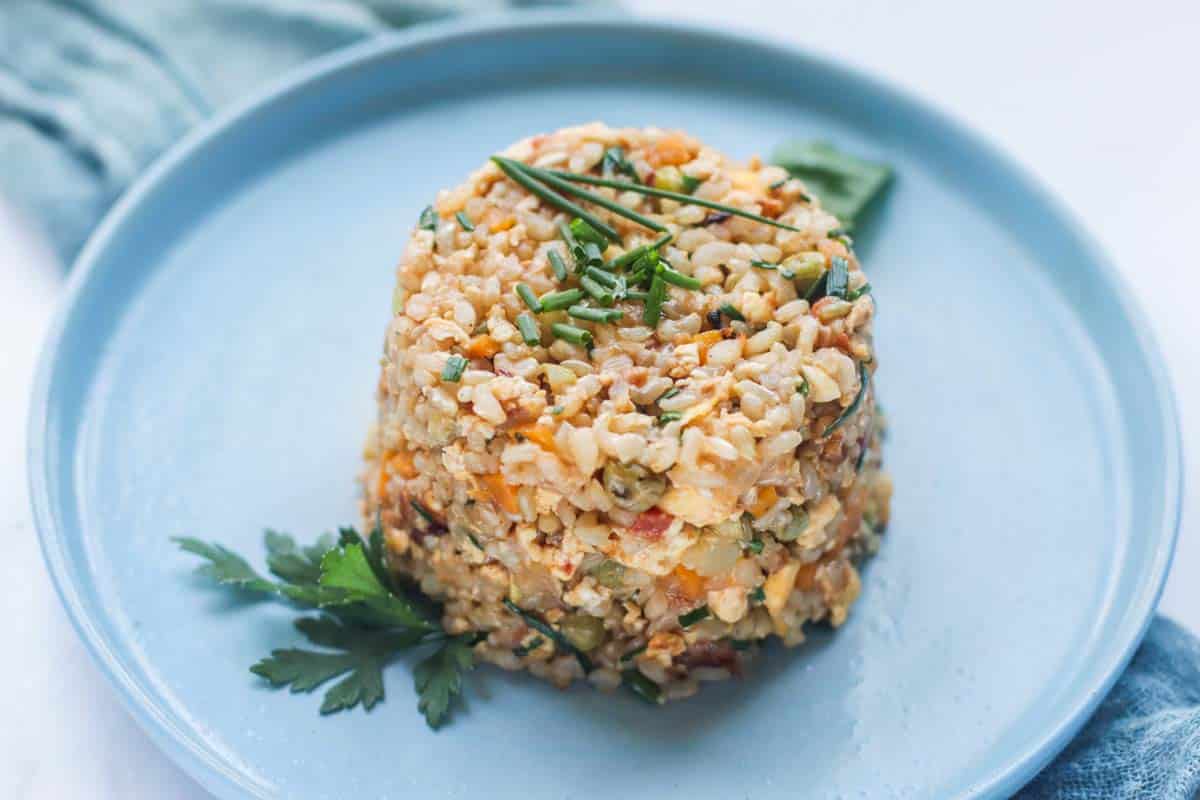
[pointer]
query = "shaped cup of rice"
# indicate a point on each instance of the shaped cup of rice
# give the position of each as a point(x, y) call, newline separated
point(628, 445)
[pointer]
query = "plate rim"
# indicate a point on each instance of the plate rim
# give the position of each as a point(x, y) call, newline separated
point(214, 774)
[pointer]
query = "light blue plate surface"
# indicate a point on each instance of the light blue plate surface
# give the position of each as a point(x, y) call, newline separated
point(213, 371)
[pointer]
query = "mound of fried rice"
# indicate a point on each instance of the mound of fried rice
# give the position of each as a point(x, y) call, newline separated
point(551, 499)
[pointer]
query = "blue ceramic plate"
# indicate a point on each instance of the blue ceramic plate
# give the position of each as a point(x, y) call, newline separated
point(213, 373)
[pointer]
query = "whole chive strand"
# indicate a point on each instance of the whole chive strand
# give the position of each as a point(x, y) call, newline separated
point(599, 293)
point(453, 370)
point(528, 327)
point(572, 334)
point(464, 221)
point(556, 264)
point(552, 179)
point(526, 294)
point(679, 279)
point(557, 301)
point(551, 197)
point(676, 196)
point(595, 314)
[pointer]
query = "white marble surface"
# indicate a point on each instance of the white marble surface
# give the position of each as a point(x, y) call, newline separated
point(1096, 98)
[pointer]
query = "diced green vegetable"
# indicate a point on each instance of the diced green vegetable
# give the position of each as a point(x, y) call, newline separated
point(453, 370)
point(530, 333)
point(846, 185)
point(692, 617)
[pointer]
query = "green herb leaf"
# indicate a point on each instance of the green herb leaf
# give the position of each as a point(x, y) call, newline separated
point(428, 220)
point(526, 649)
point(454, 368)
point(864, 378)
point(846, 185)
point(347, 568)
point(728, 310)
point(615, 161)
point(535, 622)
point(294, 564)
point(690, 183)
point(439, 679)
point(692, 617)
point(758, 595)
point(225, 566)
point(642, 686)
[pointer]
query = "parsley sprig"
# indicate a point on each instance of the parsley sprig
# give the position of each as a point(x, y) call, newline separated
point(366, 620)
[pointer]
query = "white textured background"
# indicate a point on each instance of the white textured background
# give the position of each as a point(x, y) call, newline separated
point(1099, 99)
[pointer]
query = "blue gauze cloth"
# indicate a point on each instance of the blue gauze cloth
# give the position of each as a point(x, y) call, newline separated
point(91, 92)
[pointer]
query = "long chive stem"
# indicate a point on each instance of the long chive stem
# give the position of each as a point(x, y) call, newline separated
point(553, 198)
point(676, 196)
point(551, 179)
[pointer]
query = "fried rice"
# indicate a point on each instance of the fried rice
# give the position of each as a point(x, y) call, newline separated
point(650, 508)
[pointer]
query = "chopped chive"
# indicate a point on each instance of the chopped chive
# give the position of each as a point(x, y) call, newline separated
point(428, 220)
point(551, 179)
point(614, 161)
point(642, 686)
point(602, 295)
point(763, 264)
point(574, 248)
point(803, 387)
point(556, 264)
point(682, 198)
point(629, 257)
point(535, 622)
point(513, 169)
point(556, 301)
point(669, 393)
point(526, 294)
point(554, 412)
point(634, 294)
point(423, 511)
point(464, 221)
point(593, 256)
point(817, 290)
point(669, 416)
point(526, 649)
point(836, 233)
point(692, 617)
point(778, 183)
point(690, 183)
point(634, 653)
point(740, 644)
point(654, 301)
point(595, 314)
point(528, 327)
point(854, 294)
point(572, 334)
point(755, 545)
point(452, 372)
point(679, 279)
point(863, 378)
point(839, 276)
point(474, 541)
point(728, 310)
point(602, 277)
point(758, 595)
point(586, 233)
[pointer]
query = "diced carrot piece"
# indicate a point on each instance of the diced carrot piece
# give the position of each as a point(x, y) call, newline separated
point(401, 463)
point(504, 495)
point(807, 576)
point(704, 341)
point(669, 150)
point(690, 583)
point(541, 435)
point(505, 223)
point(767, 497)
point(483, 346)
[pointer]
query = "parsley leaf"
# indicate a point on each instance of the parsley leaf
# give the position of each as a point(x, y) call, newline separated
point(298, 565)
point(845, 184)
point(439, 679)
point(225, 566)
point(363, 654)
